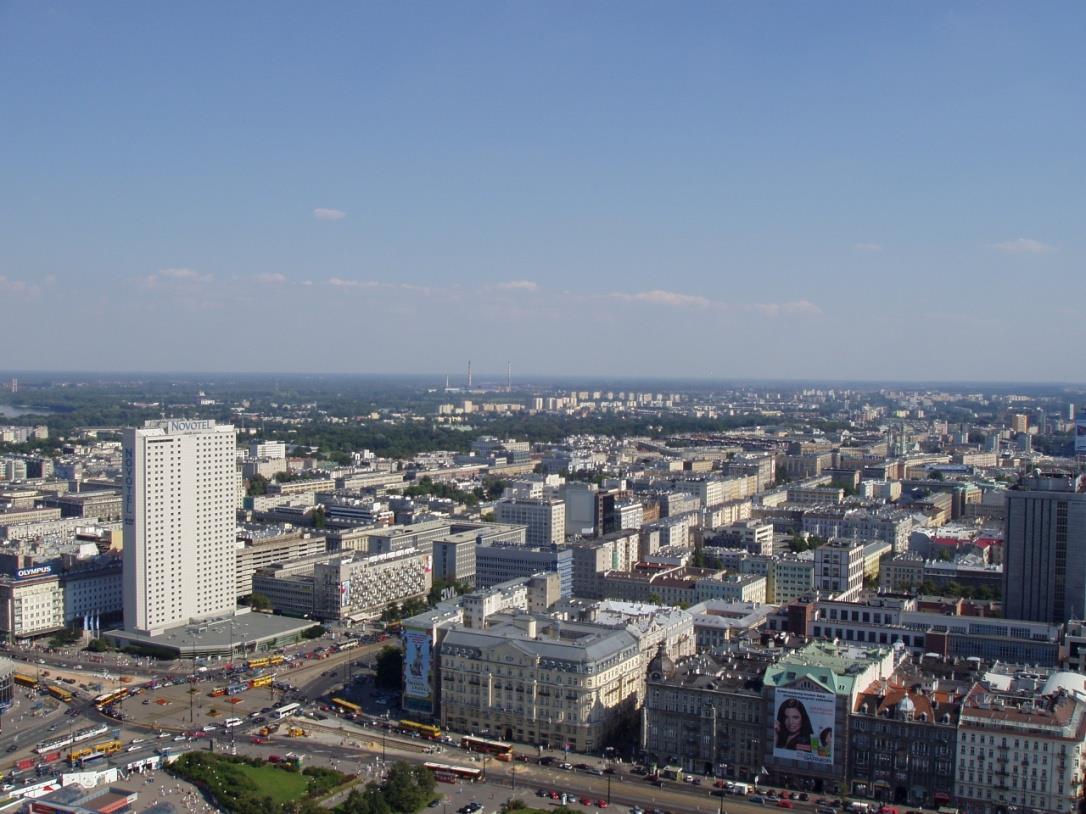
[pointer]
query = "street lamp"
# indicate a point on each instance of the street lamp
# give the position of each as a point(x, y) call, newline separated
point(384, 734)
point(723, 785)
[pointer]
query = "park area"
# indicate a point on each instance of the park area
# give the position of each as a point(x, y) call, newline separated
point(251, 786)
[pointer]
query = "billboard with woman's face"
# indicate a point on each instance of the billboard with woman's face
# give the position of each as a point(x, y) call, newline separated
point(804, 725)
point(416, 664)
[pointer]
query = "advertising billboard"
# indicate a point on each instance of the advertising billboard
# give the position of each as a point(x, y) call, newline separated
point(416, 666)
point(804, 725)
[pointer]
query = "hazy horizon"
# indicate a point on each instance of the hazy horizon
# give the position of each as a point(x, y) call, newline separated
point(494, 380)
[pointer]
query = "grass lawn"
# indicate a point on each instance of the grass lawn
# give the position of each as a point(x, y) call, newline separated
point(282, 786)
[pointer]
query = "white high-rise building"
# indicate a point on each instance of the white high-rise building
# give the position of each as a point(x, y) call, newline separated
point(179, 523)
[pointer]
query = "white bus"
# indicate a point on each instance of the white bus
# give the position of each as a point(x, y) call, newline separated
point(286, 711)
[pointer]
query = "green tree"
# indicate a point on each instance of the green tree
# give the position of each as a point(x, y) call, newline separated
point(370, 800)
point(494, 487)
point(98, 646)
point(408, 788)
point(314, 632)
point(258, 485)
point(258, 601)
point(320, 518)
point(389, 668)
point(412, 607)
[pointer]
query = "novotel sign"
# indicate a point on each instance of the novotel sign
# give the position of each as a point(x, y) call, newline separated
point(36, 571)
point(176, 425)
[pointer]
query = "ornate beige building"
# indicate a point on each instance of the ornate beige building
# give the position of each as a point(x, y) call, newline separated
point(535, 680)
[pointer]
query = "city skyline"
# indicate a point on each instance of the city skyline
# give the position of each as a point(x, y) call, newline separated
point(845, 193)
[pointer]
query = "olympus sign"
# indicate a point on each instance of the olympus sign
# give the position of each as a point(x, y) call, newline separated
point(38, 571)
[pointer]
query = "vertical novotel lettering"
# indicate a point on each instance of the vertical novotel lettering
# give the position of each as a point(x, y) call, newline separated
point(129, 466)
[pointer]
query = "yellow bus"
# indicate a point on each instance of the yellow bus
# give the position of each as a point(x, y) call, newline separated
point(105, 748)
point(25, 680)
point(425, 730)
point(109, 747)
point(109, 698)
point(346, 706)
point(60, 693)
point(276, 659)
point(260, 681)
point(256, 664)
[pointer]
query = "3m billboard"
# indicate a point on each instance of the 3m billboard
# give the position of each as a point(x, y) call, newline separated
point(804, 725)
point(416, 666)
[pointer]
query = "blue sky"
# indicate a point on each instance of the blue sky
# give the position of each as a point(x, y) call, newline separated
point(823, 190)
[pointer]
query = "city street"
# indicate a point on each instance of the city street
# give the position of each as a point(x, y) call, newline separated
point(351, 747)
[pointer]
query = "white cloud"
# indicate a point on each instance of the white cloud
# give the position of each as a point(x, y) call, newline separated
point(670, 298)
point(866, 248)
point(347, 282)
point(785, 309)
point(176, 275)
point(1023, 245)
point(419, 289)
point(16, 287)
point(675, 299)
point(270, 278)
point(518, 285)
point(329, 214)
point(342, 282)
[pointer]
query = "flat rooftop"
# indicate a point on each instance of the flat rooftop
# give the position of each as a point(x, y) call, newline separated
point(216, 636)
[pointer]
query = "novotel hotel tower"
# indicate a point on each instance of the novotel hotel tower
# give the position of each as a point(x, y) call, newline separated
point(179, 504)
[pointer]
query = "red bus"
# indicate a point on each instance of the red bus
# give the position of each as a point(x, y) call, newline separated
point(499, 749)
point(453, 774)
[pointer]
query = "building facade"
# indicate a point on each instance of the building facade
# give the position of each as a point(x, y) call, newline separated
point(501, 562)
point(1021, 746)
point(179, 499)
point(1044, 558)
point(705, 714)
point(535, 680)
point(257, 552)
point(903, 740)
point(31, 604)
point(839, 568)
point(545, 519)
